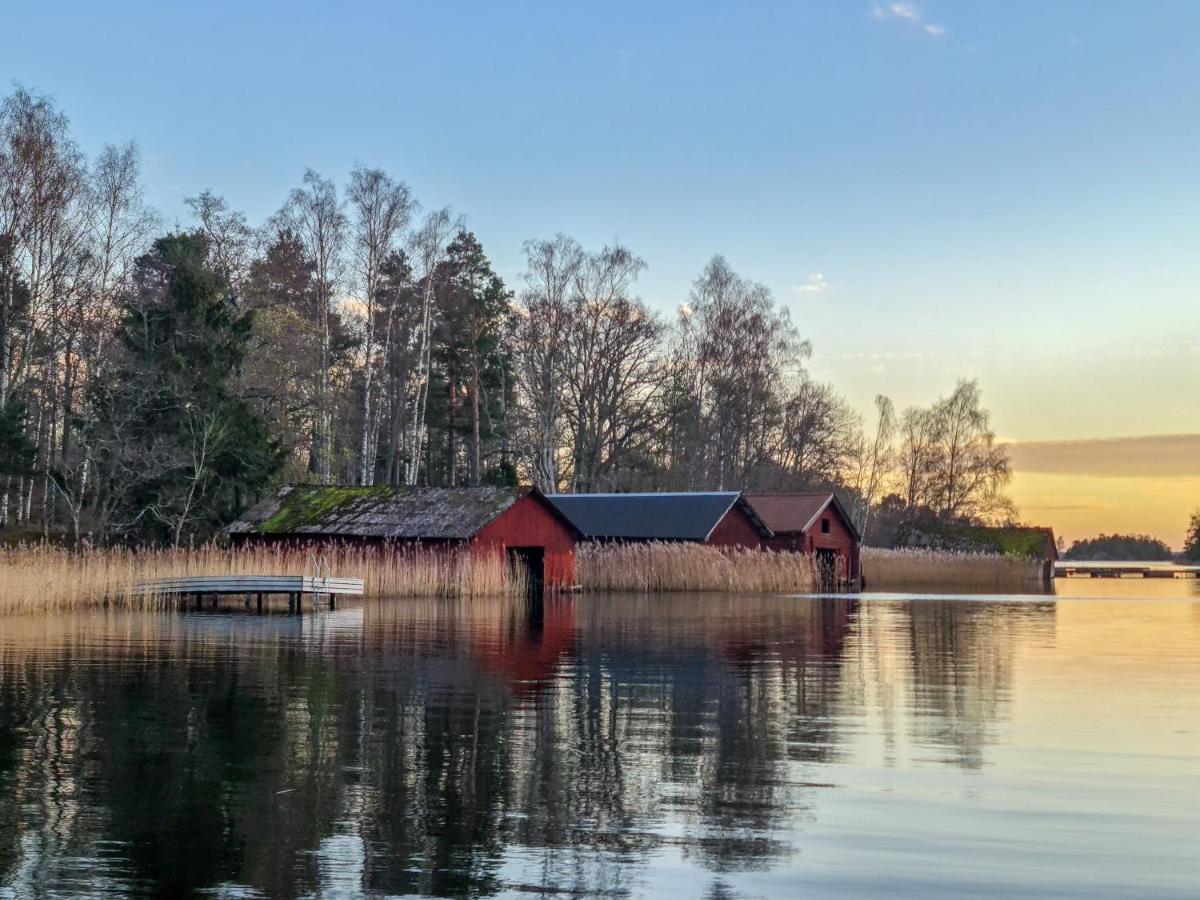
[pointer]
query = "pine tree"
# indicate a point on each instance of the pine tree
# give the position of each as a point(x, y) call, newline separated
point(179, 450)
point(472, 389)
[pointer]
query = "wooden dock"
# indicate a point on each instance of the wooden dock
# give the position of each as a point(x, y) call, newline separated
point(1081, 569)
point(294, 587)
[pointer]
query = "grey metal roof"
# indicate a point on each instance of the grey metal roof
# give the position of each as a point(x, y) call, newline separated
point(660, 516)
point(401, 513)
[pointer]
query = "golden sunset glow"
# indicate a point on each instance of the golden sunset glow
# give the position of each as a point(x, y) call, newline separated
point(1145, 485)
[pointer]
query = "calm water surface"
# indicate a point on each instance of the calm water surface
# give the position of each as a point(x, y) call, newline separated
point(620, 746)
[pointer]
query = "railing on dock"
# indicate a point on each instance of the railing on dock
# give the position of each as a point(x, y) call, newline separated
point(319, 587)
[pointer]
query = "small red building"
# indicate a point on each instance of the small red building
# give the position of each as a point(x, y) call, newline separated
point(812, 523)
point(718, 518)
point(487, 520)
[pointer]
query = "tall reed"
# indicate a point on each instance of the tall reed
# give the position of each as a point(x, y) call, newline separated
point(659, 567)
point(45, 577)
point(940, 569)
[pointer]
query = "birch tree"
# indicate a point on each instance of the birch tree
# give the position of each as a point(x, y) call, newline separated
point(314, 214)
point(551, 267)
point(381, 209)
point(429, 245)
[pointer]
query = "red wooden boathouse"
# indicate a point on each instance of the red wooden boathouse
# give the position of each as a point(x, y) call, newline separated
point(487, 520)
point(815, 523)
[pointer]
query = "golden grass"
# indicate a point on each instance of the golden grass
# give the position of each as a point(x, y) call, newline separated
point(43, 577)
point(657, 567)
point(896, 569)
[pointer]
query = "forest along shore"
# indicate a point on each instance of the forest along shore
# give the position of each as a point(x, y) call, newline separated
point(156, 379)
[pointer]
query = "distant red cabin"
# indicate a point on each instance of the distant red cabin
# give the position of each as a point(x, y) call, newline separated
point(488, 520)
point(812, 523)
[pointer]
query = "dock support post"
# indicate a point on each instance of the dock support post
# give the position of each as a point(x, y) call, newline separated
point(260, 603)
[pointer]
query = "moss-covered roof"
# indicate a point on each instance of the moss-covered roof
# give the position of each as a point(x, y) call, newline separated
point(1009, 540)
point(402, 513)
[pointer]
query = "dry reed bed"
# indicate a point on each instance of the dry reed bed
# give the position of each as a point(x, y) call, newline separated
point(659, 567)
point(42, 577)
point(893, 569)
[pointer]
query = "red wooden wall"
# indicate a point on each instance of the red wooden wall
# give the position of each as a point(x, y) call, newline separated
point(530, 523)
point(736, 529)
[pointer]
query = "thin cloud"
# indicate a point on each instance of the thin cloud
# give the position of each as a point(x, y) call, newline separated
point(816, 284)
point(909, 13)
point(1149, 456)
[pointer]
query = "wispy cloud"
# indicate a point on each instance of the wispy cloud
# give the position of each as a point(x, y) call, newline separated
point(816, 284)
point(910, 13)
point(1150, 456)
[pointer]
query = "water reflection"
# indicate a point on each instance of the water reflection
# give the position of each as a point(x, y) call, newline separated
point(611, 746)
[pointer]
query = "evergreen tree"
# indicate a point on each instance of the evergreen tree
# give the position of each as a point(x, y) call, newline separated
point(17, 451)
point(472, 387)
point(1191, 543)
point(179, 450)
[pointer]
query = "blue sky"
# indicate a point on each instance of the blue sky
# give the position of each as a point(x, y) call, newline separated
point(1006, 191)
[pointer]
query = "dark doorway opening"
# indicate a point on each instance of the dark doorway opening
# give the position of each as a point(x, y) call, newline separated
point(531, 562)
point(827, 570)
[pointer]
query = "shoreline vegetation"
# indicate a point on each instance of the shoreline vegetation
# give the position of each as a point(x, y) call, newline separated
point(44, 578)
point(656, 567)
point(944, 569)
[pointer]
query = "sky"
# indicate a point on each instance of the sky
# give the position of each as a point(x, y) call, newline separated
point(1001, 191)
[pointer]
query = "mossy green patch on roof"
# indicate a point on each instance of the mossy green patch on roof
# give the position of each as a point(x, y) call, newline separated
point(307, 505)
point(402, 513)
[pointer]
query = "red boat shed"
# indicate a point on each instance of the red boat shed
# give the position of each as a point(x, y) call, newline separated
point(812, 523)
point(488, 520)
point(717, 518)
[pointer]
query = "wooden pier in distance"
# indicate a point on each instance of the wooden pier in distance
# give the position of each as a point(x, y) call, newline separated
point(295, 587)
point(1083, 569)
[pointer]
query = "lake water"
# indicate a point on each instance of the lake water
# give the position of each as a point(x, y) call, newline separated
point(620, 746)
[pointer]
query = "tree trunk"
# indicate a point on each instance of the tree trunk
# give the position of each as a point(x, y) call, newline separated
point(451, 456)
point(476, 443)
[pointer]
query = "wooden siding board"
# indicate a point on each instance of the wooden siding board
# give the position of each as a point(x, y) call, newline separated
point(736, 529)
point(531, 523)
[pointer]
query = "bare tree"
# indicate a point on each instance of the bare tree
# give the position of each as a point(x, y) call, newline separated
point(745, 346)
point(874, 460)
point(231, 242)
point(120, 225)
point(314, 214)
point(973, 468)
point(612, 370)
point(950, 465)
point(381, 210)
point(550, 272)
point(917, 456)
point(817, 434)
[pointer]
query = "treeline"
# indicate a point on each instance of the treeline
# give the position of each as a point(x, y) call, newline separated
point(153, 384)
point(1119, 547)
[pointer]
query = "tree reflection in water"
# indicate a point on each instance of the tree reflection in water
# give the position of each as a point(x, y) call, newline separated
point(459, 748)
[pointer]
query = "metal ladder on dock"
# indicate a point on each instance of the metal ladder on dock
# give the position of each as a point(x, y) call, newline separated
point(321, 573)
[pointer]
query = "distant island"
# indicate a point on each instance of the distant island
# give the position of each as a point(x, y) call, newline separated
point(1120, 547)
